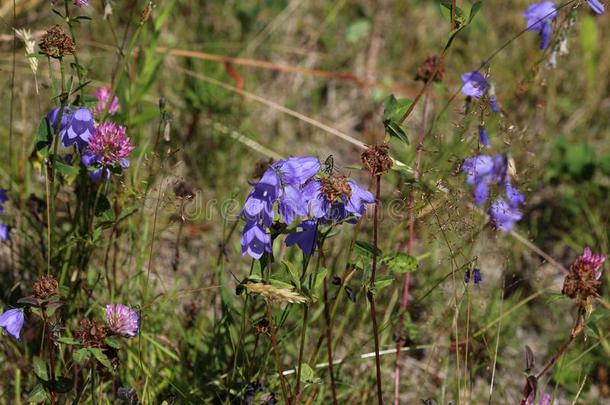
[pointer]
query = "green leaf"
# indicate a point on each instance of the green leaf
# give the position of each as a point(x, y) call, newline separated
point(38, 394)
point(101, 357)
point(383, 282)
point(44, 137)
point(294, 274)
point(322, 273)
point(280, 284)
point(367, 249)
point(394, 110)
point(307, 374)
point(401, 263)
point(113, 342)
point(81, 355)
point(40, 369)
point(64, 385)
point(396, 131)
point(68, 340)
point(63, 168)
point(476, 7)
point(358, 30)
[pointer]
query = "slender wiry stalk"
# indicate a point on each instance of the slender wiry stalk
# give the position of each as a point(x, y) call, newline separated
point(370, 295)
point(276, 352)
point(404, 301)
point(48, 335)
point(297, 392)
point(530, 383)
point(329, 342)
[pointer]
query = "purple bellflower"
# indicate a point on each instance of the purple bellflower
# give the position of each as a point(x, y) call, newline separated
point(503, 216)
point(122, 320)
point(474, 84)
point(255, 241)
point(482, 171)
point(545, 399)
point(78, 128)
point(81, 3)
point(540, 17)
point(306, 238)
point(12, 322)
point(596, 6)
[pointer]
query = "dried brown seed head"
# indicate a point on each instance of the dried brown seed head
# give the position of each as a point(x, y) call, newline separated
point(433, 65)
point(92, 333)
point(335, 187)
point(55, 43)
point(376, 159)
point(45, 287)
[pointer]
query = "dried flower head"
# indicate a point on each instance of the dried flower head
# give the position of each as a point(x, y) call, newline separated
point(336, 186)
point(45, 287)
point(91, 333)
point(55, 43)
point(376, 159)
point(122, 320)
point(583, 280)
point(184, 190)
point(275, 294)
point(426, 70)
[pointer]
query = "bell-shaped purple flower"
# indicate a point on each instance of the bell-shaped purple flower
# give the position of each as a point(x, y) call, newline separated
point(503, 216)
point(304, 239)
point(12, 322)
point(122, 320)
point(356, 204)
point(540, 17)
point(297, 170)
point(5, 232)
point(291, 204)
point(255, 241)
point(259, 204)
point(78, 129)
point(514, 196)
point(596, 6)
point(53, 115)
point(474, 84)
point(477, 167)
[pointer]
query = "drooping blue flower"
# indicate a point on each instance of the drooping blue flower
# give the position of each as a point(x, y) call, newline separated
point(291, 204)
point(78, 129)
point(477, 275)
point(540, 17)
point(484, 136)
point(356, 204)
point(255, 241)
point(493, 102)
point(339, 206)
point(476, 168)
point(474, 84)
point(503, 216)
point(259, 204)
point(297, 170)
point(5, 232)
point(596, 6)
point(467, 276)
point(306, 238)
point(12, 322)
point(515, 198)
point(53, 115)
point(482, 171)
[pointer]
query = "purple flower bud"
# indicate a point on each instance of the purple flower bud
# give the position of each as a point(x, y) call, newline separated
point(484, 136)
point(596, 6)
point(477, 275)
point(5, 232)
point(467, 276)
point(122, 320)
point(12, 322)
point(103, 98)
point(3, 199)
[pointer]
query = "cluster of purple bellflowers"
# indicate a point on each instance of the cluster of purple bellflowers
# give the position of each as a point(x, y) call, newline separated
point(104, 148)
point(540, 17)
point(294, 190)
point(484, 172)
